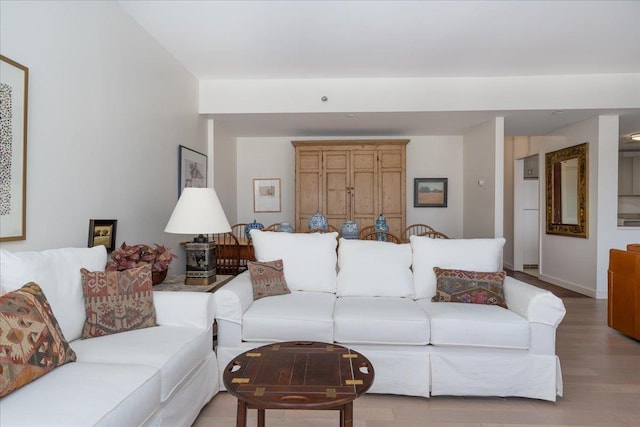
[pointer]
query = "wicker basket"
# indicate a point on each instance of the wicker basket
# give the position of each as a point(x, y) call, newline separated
point(158, 277)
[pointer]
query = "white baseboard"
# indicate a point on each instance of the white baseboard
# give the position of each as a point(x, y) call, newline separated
point(571, 286)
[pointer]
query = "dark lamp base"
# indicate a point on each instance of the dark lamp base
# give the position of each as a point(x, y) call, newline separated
point(201, 263)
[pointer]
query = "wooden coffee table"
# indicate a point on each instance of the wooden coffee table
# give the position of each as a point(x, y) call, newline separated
point(298, 375)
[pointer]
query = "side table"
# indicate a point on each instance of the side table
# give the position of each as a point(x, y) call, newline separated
point(173, 284)
point(176, 283)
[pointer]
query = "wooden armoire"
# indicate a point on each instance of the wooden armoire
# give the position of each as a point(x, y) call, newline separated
point(352, 179)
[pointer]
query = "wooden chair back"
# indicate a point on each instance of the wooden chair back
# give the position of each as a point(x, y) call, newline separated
point(227, 254)
point(434, 235)
point(365, 230)
point(417, 230)
point(373, 235)
point(239, 231)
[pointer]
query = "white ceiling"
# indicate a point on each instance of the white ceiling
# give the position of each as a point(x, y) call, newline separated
point(357, 39)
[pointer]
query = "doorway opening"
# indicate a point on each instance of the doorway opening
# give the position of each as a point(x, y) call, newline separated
point(526, 213)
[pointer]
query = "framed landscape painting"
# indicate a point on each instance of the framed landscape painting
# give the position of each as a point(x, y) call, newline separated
point(102, 232)
point(430, 192)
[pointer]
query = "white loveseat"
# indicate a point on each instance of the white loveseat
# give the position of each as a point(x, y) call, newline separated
point(157, 376)
point(375, 297)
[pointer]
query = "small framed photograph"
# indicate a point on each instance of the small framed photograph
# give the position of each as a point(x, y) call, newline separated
point(192, 169)
point(266, 195)
point(103, 232)
point(430, 192)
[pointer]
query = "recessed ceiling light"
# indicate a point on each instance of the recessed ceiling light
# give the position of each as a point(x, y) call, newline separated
point(635, 136)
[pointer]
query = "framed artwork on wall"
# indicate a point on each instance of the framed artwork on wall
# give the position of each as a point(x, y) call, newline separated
point(192, 169)
point(266, 195)
point(430, 192)
point(102, 232)
point(14, 89)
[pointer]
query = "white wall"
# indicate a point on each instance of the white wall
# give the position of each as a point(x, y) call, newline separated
point(484, 180)
point(437, 157)
point(427, 157)
point(420, 94)
point(107, 109)
point(569, 261)
point(265, 158)
point(225, 170)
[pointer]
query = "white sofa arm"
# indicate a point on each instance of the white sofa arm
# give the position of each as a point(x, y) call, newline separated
point(234, 298)
point(193, 309)
point(534, 304)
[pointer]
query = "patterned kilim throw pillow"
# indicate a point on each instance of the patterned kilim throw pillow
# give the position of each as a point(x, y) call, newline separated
point(267, 278)
point(117, 301)
point(31, 342)
point(473, 287)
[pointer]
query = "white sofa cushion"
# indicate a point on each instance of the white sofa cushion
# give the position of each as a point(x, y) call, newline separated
point(374, 269)
point(174, 351)
point(57, 272)
point(309, 258)
point(372, 320)
point(299, 315)
point(459, 254)
point(475, 325)
point(85, 394)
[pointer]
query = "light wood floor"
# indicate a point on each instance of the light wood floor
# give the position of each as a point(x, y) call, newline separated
point(601, 371)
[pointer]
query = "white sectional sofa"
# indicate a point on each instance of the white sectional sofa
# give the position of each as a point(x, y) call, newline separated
point(157, 376)
point(375, 297)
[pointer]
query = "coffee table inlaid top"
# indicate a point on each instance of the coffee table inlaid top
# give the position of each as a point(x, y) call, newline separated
point(298, 374)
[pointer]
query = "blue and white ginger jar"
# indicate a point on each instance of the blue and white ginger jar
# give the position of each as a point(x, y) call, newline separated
point(350, 230)
point(381, 225)
point(318, 222)
point(285, 227)
point(252, 226)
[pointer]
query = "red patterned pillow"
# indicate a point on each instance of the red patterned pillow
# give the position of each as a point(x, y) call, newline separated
point(31, 342)
point(267, 278)
point(117, 301)
point(473, 287)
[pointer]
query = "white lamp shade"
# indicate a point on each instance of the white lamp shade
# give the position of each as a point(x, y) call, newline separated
point(198, 211)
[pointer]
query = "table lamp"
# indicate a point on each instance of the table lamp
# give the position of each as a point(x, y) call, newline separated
point(199, 211)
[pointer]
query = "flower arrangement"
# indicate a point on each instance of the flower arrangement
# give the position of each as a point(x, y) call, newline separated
point(126, 257)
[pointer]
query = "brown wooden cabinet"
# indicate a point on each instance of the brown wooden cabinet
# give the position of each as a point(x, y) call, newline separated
point(624, 290)
point(351, 180)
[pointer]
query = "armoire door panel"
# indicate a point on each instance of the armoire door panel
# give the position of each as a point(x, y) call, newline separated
point(309, 195)
point(336, 194)
point(364, 160)
point(391, 158)
point(390, 195)
point(365, 220)
point(363, 183)
point(309, 161)
point(395, 225)
point(364, 194)
point(336, 181)
point(336, 160)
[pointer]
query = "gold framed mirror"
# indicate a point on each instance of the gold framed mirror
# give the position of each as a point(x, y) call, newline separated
point(567, 206)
